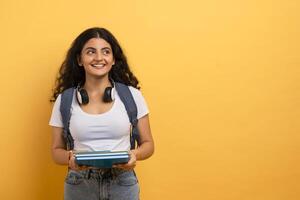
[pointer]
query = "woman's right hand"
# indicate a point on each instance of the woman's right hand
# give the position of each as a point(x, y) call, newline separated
point(73, 165)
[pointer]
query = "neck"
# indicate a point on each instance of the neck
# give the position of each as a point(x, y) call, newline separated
point(96, 85)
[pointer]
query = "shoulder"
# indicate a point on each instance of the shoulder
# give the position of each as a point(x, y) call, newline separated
point(58, 99)
point(136, 93)
point(65, 95)
point(140, 102)
point(134, 90)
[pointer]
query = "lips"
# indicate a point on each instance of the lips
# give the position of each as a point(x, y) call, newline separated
point(98, 65)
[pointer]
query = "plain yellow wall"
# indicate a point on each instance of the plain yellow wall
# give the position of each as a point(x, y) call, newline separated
point(221, 79)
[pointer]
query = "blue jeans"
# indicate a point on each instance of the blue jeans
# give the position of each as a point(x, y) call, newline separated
point(101, 184)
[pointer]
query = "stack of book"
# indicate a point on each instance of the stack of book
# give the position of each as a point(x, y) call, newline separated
point(101, 159)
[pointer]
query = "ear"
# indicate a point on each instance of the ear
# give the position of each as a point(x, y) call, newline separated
point(79, 60)
point(113, 62)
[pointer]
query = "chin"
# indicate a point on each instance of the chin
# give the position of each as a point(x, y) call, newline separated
point(102, 75)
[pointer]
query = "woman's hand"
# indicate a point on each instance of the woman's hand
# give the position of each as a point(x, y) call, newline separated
point(131, 163)
point(73, 165)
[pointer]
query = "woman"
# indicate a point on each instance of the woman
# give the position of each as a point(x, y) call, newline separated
point(93, 63)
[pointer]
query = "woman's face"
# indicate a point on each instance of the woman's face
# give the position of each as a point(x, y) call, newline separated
point(96, 57)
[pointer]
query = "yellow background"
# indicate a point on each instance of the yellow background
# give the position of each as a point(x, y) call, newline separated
point(221, 79)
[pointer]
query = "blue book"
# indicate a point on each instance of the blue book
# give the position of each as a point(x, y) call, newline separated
point(101, 159)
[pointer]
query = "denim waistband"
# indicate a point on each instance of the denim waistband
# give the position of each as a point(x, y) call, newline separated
point(101, 173)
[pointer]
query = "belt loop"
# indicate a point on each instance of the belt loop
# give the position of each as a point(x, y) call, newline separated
point(88, 175)
point(113, 173)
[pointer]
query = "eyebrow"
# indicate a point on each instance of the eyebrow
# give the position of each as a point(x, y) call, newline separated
point(92, 48)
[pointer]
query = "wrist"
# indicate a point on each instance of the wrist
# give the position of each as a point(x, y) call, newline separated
point(70, 155)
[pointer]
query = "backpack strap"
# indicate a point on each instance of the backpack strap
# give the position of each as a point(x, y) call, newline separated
point(131, 108)
point(65, 110)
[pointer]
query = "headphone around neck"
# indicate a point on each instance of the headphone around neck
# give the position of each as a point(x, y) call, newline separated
point(83, 97)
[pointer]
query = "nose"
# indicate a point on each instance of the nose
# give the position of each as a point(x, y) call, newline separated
point(98, 56)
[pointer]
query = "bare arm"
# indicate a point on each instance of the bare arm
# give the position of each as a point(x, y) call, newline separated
point(146, 148)
point(59, 153)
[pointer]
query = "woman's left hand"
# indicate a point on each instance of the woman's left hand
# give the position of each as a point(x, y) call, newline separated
point(131, 163)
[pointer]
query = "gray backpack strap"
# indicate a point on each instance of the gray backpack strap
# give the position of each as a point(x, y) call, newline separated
point(65, 110)
point(131, 108)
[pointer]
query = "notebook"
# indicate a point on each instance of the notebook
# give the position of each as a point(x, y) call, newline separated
point(101, 159)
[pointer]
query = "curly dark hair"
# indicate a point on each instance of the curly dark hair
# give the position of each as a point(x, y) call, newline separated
point(71, 74)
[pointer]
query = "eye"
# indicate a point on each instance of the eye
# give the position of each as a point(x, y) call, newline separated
point(106, 52)
point(90, 52)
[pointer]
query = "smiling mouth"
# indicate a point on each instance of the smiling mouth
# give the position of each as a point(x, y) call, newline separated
point(98, 65)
